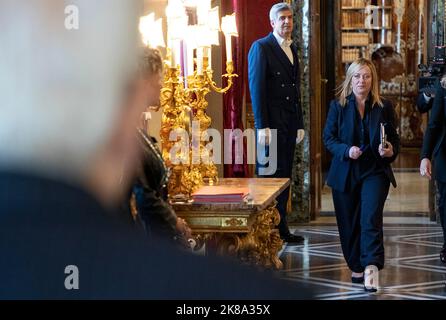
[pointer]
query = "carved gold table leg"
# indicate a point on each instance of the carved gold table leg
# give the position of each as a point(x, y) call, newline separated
point(259, 246)
point(262, 244)
point(266, 237)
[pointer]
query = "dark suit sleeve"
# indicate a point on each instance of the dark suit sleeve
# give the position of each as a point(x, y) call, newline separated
point(152, 207)
point(391, 133)
point(332, 141)
point(422, 105)
point(257, 72)
point(436, 123)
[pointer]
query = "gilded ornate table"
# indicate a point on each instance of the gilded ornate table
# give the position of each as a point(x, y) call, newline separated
point(246, 230)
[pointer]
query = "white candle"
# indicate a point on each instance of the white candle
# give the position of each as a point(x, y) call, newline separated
point(207, 54)
point(190, 60)
point(228, 47)
point(177, 49)
point(210, 58)
point(172, 58)
point(200, 61)
point(171, 45)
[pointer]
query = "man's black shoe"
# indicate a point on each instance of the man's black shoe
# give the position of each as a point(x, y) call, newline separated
point(443, 255)
point(292, 238)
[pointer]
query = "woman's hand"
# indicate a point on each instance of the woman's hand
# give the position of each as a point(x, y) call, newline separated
point(354, 153)
point(426, 168)
point(386, 152)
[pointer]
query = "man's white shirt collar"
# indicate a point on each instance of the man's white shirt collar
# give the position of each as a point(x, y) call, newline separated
point(282, 42)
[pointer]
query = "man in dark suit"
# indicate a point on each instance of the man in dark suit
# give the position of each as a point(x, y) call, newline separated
point(273, 71)
point(67, 151)
point(434, 146)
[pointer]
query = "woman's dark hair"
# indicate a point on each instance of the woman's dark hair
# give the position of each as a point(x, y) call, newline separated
point(151, 62)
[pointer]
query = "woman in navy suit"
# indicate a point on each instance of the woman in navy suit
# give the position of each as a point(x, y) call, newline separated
point(360, 172)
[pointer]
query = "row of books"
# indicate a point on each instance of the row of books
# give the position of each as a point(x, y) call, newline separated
point(355, 39)
point(349, 55)
point(362, 20)
point(353, 19)
point(355, 3)
point(363, 3)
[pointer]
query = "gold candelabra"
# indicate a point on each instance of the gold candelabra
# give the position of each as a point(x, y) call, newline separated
point(184, 102)
point(181, 107)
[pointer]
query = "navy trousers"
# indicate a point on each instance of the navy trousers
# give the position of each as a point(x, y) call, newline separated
point(442, 208)
point(286, 146)
point(359, 214)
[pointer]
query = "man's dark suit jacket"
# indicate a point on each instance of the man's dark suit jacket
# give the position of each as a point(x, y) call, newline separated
point(434, 137)
point(339, 135)
point(47, 225)
point(422, 105)
point(274, 84)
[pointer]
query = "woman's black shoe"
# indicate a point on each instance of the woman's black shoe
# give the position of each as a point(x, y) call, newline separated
point(372, 289)
point(443, 255)
point(357, 279)
point(371, 278)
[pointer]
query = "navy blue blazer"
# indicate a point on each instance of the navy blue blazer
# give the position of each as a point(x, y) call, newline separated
point(434, 137)
point(274, 84)
point(339, 134)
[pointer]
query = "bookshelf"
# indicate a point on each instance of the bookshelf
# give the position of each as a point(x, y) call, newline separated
point(364, 25)
point(392, 34)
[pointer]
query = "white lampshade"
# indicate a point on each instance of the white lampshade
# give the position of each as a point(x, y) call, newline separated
point(175, 9)
point(191, 3)
point(191, 36)
point(229, 25)
point(145, 27)
point(157, 39)
point(204, 36)
point(203, 8)
point(151, 31)
point(177, 27)
point(214, 37)
point(214, 19)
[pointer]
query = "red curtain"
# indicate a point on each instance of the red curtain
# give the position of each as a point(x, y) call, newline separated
point(252, 23)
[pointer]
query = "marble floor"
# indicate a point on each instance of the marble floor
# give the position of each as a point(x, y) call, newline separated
point(411, 195)
point(413, 270)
